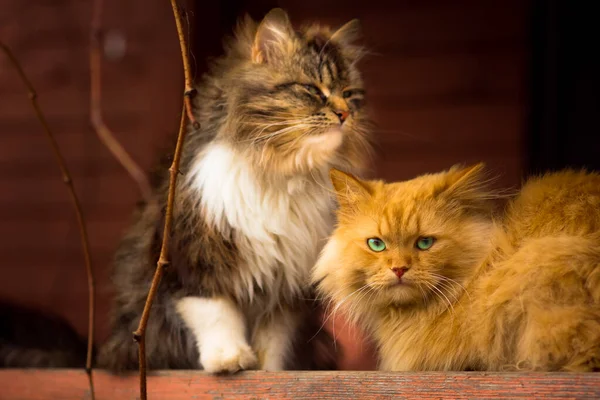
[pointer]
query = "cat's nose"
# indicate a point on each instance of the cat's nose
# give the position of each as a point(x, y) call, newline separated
point(342, 115)
point(399, 271)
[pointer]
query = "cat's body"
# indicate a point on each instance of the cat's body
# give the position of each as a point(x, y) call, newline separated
point(520, 291)
point(252, 207)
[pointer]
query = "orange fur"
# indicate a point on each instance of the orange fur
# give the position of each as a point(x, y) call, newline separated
point(514, 291)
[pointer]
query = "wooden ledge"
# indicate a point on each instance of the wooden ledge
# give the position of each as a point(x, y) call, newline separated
point(178, 385)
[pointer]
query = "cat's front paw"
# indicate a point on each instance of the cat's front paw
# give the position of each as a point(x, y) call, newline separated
point(227, 357)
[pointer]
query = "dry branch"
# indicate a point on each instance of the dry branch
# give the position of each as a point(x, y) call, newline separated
point(66, 177)
point(189, 91)
point(163, 261)
point(102, 130)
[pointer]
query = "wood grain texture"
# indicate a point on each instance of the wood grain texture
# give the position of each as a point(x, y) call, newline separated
point(72, 385)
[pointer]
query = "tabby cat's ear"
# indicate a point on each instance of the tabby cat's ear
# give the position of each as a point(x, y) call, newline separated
point(349, 190)
point(347, 36)
point(348, 33)
point(272, 34)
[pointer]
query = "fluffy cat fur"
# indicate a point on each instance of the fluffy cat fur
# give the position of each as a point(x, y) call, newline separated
point(514, 290)
point(253, 206)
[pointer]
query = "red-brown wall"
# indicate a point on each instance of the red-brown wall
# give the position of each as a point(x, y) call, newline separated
point(446, 83)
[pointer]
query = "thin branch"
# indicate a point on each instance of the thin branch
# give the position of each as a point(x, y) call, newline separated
point(66, 177)
point(189, 91)
point(163, 261)
point(102, 130)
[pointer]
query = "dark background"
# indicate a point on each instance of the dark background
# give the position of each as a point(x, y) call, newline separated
point(513, 83)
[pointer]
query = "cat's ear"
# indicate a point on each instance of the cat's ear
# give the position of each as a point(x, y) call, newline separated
point(272, 34)
point(348, 34)
point(465, 183)
point(349, 190)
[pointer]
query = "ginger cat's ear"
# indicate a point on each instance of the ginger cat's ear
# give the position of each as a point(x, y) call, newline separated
point(271, 36)
point(461, 177)
point(348, 189)
point(467, 185)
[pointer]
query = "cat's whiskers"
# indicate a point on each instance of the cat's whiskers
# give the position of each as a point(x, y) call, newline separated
point(352, 310)
point(358, 291)
point(331, 299)
point(305, 133)
point(267, 138)
point(441, 296)
point(353, 314)
point(337, 306)
point(449, 289)
point(446, 279)
point(257, 134)
point(269, 122)
point(423, 294)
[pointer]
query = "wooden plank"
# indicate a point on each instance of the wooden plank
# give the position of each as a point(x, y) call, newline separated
point(172, 385)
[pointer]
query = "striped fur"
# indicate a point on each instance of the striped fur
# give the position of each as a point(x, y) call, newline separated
point(253, 206)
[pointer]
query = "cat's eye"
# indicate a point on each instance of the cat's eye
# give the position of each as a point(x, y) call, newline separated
point(376, 244)
point(352, 92)
point(315, 91)
point(424, 243)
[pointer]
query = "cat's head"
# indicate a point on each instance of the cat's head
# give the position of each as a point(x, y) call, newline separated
point(295, 97)
point(405, 243)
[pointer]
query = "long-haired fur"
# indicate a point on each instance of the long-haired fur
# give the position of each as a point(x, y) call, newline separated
point(511, 290)
point(253, 206)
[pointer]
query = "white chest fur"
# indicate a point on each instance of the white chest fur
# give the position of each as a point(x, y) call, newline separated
point(279, 229)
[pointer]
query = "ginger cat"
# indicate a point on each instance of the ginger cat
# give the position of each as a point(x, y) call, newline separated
point(444, 283)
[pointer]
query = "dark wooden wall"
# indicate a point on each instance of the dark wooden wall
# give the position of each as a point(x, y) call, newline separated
point(446, 83)
point(42, 264)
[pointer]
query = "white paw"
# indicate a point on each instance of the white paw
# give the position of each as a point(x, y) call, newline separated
point(227, 357)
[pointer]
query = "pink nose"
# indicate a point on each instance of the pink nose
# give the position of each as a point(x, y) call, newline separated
point(342, 115)
point(399, 271)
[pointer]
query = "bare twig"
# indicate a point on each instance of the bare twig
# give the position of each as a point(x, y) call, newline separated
point(66, 177)
point(102, 130)
point(163, 261)
point(189, 91)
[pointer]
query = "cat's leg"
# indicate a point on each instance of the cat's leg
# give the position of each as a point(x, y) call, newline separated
point(273, 339)
point(220, 331)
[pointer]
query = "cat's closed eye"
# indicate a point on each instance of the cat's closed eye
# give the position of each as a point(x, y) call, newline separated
point(315, 91)
point(354, 97)
point(353, 93)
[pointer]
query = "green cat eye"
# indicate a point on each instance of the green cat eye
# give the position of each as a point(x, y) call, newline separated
point(425, 243)
point(376, 244)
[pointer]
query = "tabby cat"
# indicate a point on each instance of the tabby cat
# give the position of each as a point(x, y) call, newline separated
point(253, 206)
point(444, 282)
